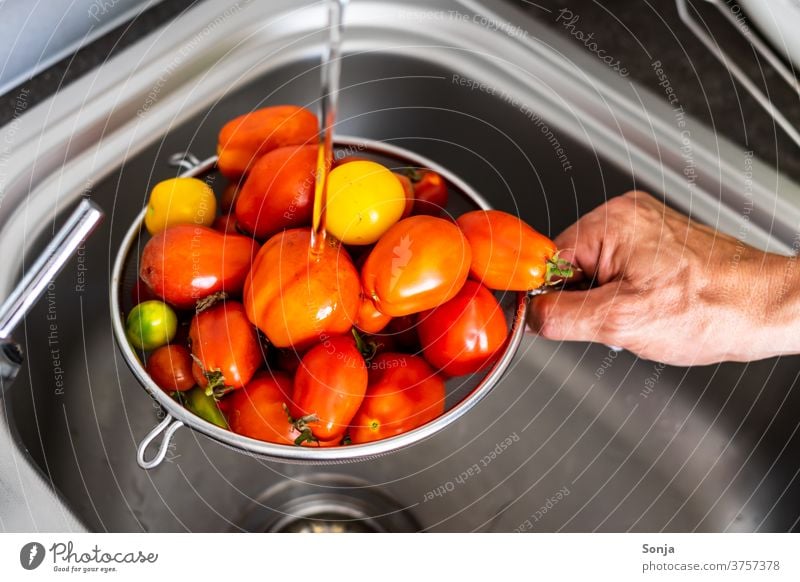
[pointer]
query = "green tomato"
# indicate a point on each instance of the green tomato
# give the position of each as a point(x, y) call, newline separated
point(150, 325)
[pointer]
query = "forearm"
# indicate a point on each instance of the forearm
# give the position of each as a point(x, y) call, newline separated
point(779, 332)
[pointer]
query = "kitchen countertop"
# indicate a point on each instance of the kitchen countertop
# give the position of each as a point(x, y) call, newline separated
point(636, 34)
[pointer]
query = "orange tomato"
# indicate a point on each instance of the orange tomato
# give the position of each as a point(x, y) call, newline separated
point(294, 299)
point(420, 262)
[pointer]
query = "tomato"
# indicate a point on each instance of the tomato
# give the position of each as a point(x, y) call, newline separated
point(243, 140)
point(430, 192)
point(278, 192)
point(420, 263)
point(260, 410)
point(186, 263)
point(364, 200)
point(329, 387)
point(509, 255)
point(295, 299)
point(225, 347)
point(368, 318)
point(180, 201)
point(150, 325)
point(403, 394)
point(465, 334)
point(204, 405)
point(408, 191)
point(225, 224)
point(171, 368)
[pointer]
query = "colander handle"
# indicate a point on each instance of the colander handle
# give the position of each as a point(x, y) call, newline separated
point(168, 426)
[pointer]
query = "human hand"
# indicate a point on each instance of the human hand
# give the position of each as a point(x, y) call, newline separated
point(670, 289)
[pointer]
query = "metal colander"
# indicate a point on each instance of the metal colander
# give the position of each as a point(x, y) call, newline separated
point(463, 393)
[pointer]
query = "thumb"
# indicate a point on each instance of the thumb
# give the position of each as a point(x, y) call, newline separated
point(575, 315)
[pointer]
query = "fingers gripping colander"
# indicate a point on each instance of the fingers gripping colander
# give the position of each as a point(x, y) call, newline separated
point(462, 393)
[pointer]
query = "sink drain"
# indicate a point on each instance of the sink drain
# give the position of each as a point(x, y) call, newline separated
point(327, 503)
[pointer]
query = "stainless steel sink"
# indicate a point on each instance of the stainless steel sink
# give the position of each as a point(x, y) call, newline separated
point(576, 438)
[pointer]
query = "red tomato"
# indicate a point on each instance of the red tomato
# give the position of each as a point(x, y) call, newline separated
point(419, 263)
point(260, 410)
point(225, 224)
point(368, 318)
point(408, 188)
point(244, 139)
point(186, 263)
point(465, 334)
point(278, 192)
point(403, 394)
point(225, 346)
point(430, 192)
point(509, 255)
point(295, 299)
point(170, 367)
point(329, 387)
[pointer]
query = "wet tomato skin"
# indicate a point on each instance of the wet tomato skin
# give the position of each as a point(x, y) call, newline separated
point(404, 393)
point(225, 346)
point(330, 386)
point(186, 263)
point(278, 192)
point(244, 139)
point(170, 367)
point(466, 334)
point(421, 262)
point(294, 298)
point(507, 254)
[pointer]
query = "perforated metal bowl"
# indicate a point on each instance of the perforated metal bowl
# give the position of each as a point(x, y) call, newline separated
point(462, 393)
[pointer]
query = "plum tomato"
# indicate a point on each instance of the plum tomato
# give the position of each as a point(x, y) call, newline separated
point(421, 262)
point(465, 334)
point(508, 254)
point(180, 201)
point(430, 192)
point(186, 263)
point(260, 410)
point(150, 325)
point(278, 192)
point(226, 224)
point(364, 200)
point(328, 388)
point(225, 347)
point(171, 368)
point(244, 139)
point(295, 298)
point(404, 393)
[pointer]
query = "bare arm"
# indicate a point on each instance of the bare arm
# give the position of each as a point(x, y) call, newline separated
point(672, 290)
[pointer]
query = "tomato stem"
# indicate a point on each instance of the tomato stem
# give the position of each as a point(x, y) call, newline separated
point(412, 174)
point(367, 349)
point(301, 424)
point(210, 301)
point(558, 270)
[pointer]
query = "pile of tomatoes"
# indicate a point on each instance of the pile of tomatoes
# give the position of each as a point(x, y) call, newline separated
point(244, 325)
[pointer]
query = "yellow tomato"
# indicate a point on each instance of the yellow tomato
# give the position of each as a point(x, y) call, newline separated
point(180, 201)
point(364, 200)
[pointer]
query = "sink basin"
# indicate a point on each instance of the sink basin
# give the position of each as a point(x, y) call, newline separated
point(577, 437)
